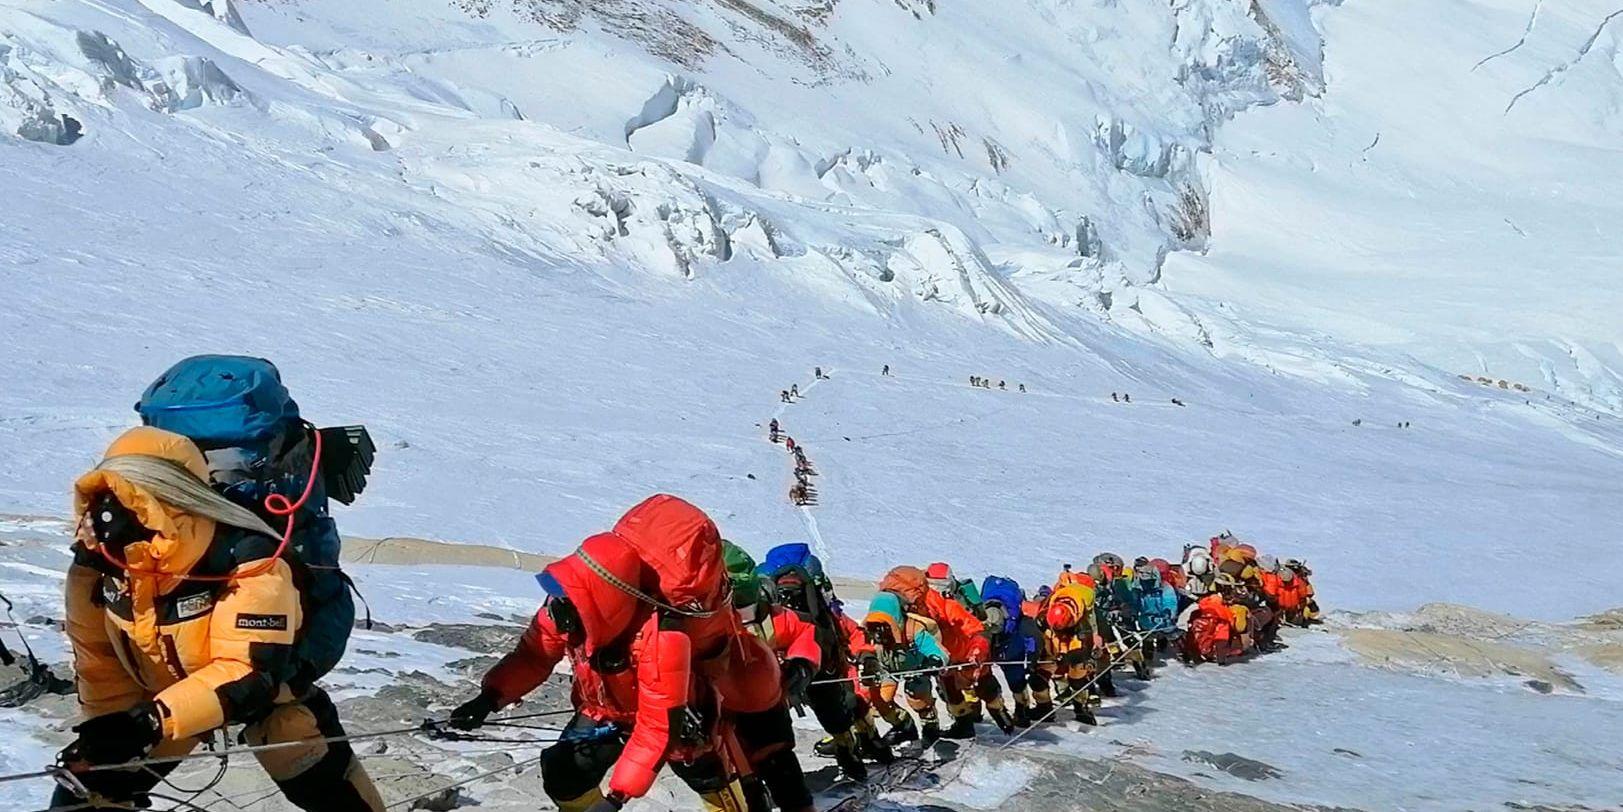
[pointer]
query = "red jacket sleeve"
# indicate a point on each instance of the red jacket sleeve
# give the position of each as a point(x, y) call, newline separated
point(529, 664)
point(796, 638)
point(663, 681)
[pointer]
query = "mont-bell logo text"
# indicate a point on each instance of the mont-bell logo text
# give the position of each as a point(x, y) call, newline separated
point(265, 623)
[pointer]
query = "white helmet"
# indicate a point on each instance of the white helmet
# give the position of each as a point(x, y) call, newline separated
point(1199, 563)
point(1286, 575)
point(1267, 563)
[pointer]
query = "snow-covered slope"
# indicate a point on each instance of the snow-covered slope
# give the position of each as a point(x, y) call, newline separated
point(561, 254)
point(477, 230)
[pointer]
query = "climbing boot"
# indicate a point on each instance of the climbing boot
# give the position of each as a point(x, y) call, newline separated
point(963, 727)
point(851, 764)
point(905, 732)
point(1041, 711)
point(1107, 685)
point(1084, 714)
point(1022, 715)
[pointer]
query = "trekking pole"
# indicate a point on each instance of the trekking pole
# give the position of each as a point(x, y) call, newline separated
point(1069, 698)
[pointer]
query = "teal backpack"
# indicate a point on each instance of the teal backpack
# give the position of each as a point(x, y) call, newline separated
point(263, 455)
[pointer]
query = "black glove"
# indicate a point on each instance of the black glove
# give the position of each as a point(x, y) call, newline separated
point(117, 737)
point(474, 712)
point(797, 678)
point(868, 667)
point(610, 803)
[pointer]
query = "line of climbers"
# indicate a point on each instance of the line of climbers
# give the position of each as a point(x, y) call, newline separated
point(685, 652)
point(986, 383)
point(803, 492)
point(205, 592)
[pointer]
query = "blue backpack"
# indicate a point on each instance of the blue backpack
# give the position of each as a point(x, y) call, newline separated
point(792, 555)
point(1007, 592)
point(238, 412)
point(810, 593)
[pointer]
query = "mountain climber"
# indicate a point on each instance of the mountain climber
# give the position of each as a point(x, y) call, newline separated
point(184, 617)
point(885, 371)
point(794, 390)
point(796, 576)
point(1022, 388)
point(1262, 616)
point(968, 682)
point(772, 430)
point(898, 642)
point(1069, 645)
point(770, 741)
point(940, 577)
point(783, 395)
point(1003, 385)
point(261, 454)
point(1114, 398)
point(1302, 586)
point(1114, 621)
point(1212, 627)
point(1199, 572)
point(1014, 636)
point(789, 443)
point(663, 671)
point(1155, 605)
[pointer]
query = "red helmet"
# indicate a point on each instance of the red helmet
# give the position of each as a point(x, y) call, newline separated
point(1061, 615)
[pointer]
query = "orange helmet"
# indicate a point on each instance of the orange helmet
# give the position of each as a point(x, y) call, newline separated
point(1061, 615)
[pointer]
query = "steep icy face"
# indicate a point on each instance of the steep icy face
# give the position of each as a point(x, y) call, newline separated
point(1056, 136)
point(1449, 202)
point(1015, 123)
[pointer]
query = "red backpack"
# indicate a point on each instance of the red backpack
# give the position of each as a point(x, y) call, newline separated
point(683, 548)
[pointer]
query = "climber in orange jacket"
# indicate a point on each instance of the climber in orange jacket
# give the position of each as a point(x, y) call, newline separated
point(1214, 628)
point(967, 644)
point(184, 619)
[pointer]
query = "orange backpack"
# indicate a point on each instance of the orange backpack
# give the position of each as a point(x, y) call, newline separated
point(909, 584)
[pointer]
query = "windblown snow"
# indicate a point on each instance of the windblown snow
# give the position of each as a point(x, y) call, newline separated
point(560, 254)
